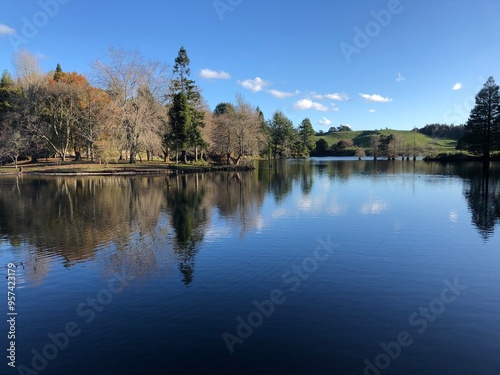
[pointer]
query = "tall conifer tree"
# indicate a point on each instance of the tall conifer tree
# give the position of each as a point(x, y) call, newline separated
point(482, 131)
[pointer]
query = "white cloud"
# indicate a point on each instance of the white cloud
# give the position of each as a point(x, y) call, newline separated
point(372, 111)
point(212, 74)
point(6, 30)
point(309, 104)
point(324, 122)
point(457, 86)
point(282, 95)
point(254, 85)
point(375, 98)
point(337, 96)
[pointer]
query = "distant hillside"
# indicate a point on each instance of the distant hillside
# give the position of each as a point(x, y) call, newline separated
point(362, 139)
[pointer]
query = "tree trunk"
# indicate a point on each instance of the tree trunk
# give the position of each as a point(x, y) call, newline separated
point(196, 154)
point(132, 157)
point(78, 156)
point(184, 156)
point(237, 160)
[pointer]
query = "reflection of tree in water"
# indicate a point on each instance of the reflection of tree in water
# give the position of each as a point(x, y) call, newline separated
point(188, 218)
point(280, 175)
point(74, 218)
point(236, 195)
point(143, 254)
point(122, 223)
point(482, 191)
point(307, 178)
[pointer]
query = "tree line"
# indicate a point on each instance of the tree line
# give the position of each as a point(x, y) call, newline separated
point(443, 131)
point(133, 108)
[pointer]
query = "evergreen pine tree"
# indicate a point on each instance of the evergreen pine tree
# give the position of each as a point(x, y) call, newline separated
point(306, 134)
point(182, 83)
point(180, 119)
point(58, 73)
point(482, 131)
point(7, 92)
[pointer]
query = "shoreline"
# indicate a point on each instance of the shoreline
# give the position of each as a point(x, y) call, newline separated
point(114, 170)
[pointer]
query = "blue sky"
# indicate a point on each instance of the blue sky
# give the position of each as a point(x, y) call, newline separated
point(370, 64)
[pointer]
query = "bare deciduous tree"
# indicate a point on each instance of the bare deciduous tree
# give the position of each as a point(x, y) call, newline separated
point(13, 145)
point(375, 145)
point(31, 84)
point(238, 132)
point(62, 114)
point(96, 108)
point(132, 82)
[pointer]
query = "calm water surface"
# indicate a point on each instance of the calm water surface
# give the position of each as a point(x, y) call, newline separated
point(322, 266)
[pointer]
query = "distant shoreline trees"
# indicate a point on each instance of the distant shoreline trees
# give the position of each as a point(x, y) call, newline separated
point(443, 131)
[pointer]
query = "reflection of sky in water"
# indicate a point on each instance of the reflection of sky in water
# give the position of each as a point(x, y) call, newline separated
point(373, 208)
point(400, 236)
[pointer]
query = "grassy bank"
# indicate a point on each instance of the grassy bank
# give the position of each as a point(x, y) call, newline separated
point(362, 138)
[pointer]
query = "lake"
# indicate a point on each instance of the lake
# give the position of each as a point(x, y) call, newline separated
point(319, 266)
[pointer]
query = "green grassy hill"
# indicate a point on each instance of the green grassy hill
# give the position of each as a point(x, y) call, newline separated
point(362, 138)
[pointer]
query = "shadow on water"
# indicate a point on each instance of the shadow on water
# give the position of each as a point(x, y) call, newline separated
point(153, 224)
